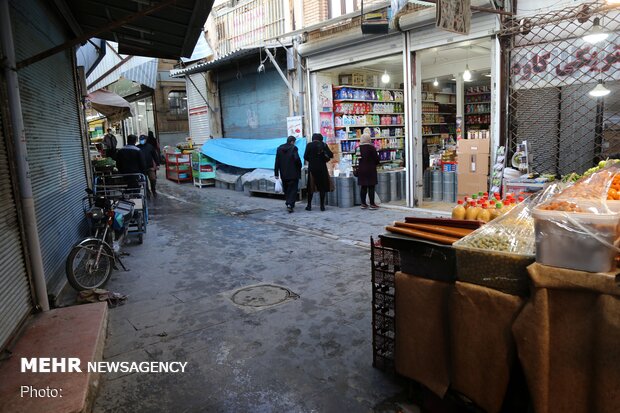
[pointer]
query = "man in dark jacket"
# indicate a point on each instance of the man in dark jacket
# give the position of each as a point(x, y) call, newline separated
point(109, 143)
point(129, 159)
point(288, 167)
point(151, 160)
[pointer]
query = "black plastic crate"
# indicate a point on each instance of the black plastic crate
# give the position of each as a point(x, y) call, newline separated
point(383, 299)
point(423, 258)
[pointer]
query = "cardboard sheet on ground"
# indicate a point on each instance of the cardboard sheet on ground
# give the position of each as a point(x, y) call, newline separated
point(248, 153)
point(567, 339)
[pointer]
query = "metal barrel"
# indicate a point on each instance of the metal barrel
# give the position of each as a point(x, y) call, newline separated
point(345, 191)
point(316, 199)
point(403, 184)
point(332, 197)
point(356, 193)
point(383, 186)
point(399, 185)
point(394, 185)
point(428, 185)
point(449, 195)
point(436, 186)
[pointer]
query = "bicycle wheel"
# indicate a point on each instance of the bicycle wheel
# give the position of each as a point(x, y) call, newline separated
point(83, 270)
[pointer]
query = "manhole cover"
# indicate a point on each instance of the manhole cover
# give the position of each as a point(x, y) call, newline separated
point(262, 296)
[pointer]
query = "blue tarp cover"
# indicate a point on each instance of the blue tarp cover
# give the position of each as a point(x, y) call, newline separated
point(248, 153)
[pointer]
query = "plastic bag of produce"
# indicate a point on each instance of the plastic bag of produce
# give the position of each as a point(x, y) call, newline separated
point(578, 228)
point(512, 232)
point(278, 187)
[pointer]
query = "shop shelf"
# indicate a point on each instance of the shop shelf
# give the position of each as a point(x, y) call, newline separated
point(477, 113)
point(478, 103)
point(433, 134)
point(370, 126)
point(476, 93)
point(365, 87)
point(433, 124)
point(369, 101)
point(379, 137)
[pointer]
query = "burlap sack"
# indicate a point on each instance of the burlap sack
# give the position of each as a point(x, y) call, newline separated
point(568, 341)
point(422, 336)
point(482, 348)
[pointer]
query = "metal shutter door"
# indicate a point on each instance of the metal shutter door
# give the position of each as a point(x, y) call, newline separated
point(198, 111)
point(255, 106)
point(15, 300)
point(54, 141)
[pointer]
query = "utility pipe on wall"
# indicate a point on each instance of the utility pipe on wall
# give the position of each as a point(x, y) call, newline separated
point(21, 158)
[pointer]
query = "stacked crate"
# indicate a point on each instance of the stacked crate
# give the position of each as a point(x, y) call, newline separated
point(385, 263)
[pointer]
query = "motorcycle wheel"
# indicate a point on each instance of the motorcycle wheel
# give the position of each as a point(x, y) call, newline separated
point(83, 273)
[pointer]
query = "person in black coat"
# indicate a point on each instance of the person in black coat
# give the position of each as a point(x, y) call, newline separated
point(148, 147)
point(367, 170)
point(317, 154)
point(288, 167)
point(129, 160)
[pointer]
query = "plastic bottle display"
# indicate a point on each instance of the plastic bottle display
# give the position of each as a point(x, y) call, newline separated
point(459, 211)
point(472, 211)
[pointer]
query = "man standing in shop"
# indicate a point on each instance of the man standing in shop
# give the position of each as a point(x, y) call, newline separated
point(110, 142)
point(288, 167)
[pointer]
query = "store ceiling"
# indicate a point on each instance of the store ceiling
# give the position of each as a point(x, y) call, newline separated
point(393, 65)
point(457, 52)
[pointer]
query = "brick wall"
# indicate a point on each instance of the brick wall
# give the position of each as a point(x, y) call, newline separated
point(315, 11)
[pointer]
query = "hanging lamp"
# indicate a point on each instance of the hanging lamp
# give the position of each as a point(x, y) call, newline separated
point(596, 33)
point(385, 78)
point(600, 90)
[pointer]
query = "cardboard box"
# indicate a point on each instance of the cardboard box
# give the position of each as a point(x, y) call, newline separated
point(464, 146)
point(471, 183)
point(474, 163)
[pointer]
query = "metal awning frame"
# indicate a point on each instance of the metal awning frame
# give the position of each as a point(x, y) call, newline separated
point(82, 37)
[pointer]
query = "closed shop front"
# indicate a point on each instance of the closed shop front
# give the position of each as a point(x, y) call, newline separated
point(54, 138)
point(15, 297)
point(198, 108)
point(255, 105)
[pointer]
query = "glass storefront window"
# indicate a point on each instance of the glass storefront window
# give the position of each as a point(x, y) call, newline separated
point(177, 102)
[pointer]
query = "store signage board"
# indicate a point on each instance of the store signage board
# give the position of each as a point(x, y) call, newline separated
point(453, 15)
point(564, 63)
point(294, 126)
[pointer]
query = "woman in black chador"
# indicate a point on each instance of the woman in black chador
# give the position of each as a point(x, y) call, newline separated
point(317, 154)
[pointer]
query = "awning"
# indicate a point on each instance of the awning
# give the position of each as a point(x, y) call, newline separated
point(166, 28)
point(220, 61)
point(114, 107)
point(247, 153)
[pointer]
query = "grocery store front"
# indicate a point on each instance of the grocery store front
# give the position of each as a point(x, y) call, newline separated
point(455, 112)
point(360, 86)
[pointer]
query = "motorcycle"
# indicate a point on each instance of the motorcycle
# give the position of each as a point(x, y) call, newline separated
point(91, 261)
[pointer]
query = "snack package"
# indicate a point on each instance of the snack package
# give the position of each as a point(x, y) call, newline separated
point(512, 232)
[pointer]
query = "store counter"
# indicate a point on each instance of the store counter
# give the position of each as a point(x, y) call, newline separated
point(568, 340)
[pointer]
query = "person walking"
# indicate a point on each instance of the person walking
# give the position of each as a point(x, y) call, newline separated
point(148, 147)
point(288, 168)
point(110, 143)
point(129, 159)
point(317, 155)
point(367, 170)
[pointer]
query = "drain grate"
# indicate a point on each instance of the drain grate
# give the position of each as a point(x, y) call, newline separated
point(262, 296)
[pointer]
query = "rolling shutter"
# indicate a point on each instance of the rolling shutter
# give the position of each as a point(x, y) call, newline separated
point(54, 142)
point(197, 108)
point(255, 106)
point(15, 298)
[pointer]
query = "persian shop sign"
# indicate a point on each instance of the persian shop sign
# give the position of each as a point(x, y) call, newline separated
point(565, 63)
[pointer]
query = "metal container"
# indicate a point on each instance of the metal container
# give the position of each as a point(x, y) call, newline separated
point(356, 192)
point(383, 186)
point(332, 197)
point(436, 186)
point(578, 241)
point(448, 179)
point(345, 191)
point(403, 184)
point(427, 184)
point(262, 185)
point(393, 185)
point(238, 185)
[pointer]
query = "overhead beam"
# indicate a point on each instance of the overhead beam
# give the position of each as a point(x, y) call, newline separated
point(66, 13)
point(282, 75)
point(94, 33)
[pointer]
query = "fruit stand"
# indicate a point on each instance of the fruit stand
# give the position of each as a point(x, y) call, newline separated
point(536, 290)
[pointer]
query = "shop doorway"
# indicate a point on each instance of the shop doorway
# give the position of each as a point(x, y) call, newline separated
point(370, 94)
point(143, 119)
point(455, 92)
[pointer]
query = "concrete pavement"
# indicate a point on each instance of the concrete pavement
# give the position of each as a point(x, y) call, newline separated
point(309, 354)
